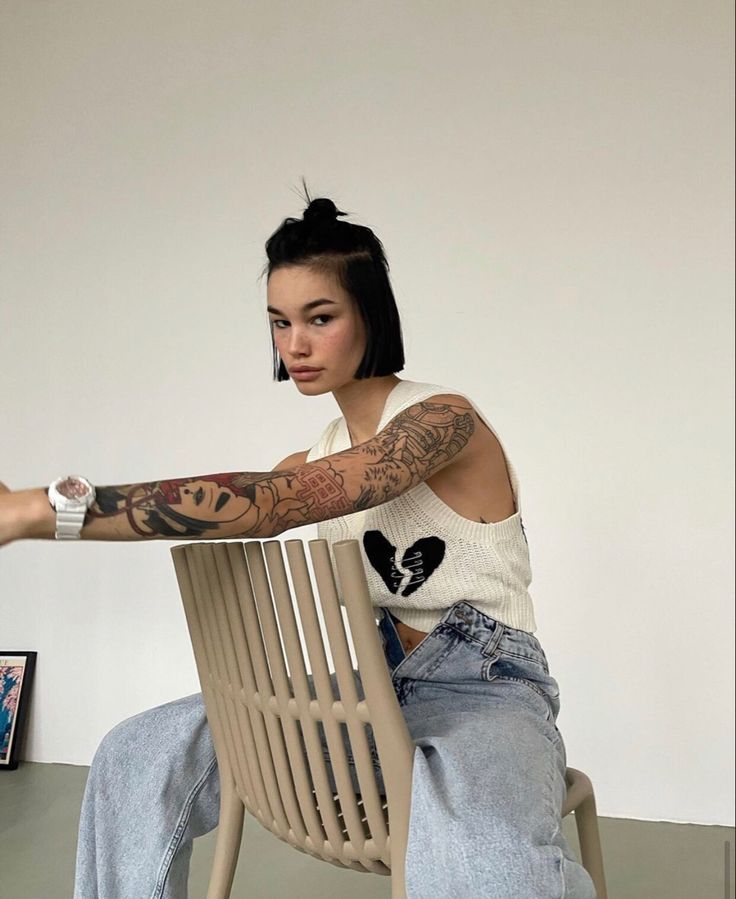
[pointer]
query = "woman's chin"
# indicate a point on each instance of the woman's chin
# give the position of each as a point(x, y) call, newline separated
point(311, 388)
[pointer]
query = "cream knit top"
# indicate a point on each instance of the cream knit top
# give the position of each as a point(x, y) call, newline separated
point(421, 556)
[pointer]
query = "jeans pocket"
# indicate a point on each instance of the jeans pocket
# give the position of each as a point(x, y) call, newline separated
point(531, 672)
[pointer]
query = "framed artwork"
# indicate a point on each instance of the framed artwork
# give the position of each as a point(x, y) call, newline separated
point(16, 678)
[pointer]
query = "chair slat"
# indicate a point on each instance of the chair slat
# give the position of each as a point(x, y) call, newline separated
point(180, 556)
point(281, 729)
point(223, 629)
point(290, 751)
point(210, 634)
point(249, 782)
point(356, 729)
point(392, 737)
point(260, 800)
point(224, 554)
point(289, 815)
point(263, 722)
point(325, 699)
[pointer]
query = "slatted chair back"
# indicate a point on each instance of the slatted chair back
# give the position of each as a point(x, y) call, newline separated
point(264, 710)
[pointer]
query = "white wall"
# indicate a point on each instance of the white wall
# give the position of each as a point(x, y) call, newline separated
point(553, 185)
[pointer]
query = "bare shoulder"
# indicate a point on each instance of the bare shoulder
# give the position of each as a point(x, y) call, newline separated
point(454, 403)
point(481, 444)
point(459, 405)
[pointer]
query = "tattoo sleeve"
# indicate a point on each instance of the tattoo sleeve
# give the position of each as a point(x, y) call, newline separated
point(414, 445)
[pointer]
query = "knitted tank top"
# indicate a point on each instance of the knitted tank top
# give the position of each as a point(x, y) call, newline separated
point(420, 556)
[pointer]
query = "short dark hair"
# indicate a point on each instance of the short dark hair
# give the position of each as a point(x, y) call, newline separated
point(355, 257)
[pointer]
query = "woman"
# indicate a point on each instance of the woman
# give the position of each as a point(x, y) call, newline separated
point(418, 475)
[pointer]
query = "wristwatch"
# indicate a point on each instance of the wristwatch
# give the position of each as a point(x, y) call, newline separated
point(71, 496)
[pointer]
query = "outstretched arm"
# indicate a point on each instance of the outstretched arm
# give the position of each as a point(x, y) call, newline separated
point(414, 445)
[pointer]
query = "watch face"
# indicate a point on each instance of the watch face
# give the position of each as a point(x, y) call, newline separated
point(72, 488)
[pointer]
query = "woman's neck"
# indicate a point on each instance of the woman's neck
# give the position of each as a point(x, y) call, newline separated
point(362, 403)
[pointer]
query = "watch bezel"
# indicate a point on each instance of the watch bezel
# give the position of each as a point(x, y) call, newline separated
point(55, 495)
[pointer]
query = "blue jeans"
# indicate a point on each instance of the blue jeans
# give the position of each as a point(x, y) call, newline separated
point(487, 789)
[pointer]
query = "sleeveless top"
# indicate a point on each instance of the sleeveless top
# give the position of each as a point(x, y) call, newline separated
point(420, 556)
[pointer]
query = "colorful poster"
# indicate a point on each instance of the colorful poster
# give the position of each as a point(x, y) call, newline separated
point(12, 673)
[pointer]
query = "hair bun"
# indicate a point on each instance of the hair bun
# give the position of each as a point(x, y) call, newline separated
point(321, 210)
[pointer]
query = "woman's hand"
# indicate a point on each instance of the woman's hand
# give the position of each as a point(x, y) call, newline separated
point(16, 513)
point(6, 531)
point(7, 517)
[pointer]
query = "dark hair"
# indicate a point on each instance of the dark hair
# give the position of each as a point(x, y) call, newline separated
point(355, 257)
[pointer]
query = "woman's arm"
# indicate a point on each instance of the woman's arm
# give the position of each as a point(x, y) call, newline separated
point(210, 507)
point(28, 513)
point(413, 446)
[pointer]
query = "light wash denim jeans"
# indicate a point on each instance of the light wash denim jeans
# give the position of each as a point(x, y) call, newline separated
point(487, 789)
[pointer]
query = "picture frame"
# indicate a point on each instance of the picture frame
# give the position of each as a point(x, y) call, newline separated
point(16, 681)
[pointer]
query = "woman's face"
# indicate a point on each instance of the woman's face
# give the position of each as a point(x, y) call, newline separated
point(330, 335)
point(219, 502)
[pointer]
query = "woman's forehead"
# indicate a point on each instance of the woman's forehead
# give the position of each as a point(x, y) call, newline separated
point(301, 278)
point(297, 288)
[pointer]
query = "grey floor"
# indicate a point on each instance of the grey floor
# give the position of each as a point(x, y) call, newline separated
point(39, 811)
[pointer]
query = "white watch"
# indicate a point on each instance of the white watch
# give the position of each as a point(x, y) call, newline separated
point(71, 496)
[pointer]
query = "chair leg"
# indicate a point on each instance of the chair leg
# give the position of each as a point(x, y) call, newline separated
point(398, 826)
point(398, 884)
point(586, 821)
point(227, 846)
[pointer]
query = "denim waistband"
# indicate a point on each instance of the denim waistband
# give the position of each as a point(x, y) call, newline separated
point(475, 624)
point(478, 626)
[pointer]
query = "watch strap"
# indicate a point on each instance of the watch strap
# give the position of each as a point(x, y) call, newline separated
point(69, 523)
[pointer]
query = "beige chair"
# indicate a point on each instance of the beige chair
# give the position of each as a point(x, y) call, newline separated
point(243, 626)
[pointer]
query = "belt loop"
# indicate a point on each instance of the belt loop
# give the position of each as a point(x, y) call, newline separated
point(494, 639)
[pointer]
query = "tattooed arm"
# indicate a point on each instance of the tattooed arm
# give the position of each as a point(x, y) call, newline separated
point(414, 445)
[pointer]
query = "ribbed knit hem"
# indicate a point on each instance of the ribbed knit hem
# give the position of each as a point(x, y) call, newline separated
point(426, 619)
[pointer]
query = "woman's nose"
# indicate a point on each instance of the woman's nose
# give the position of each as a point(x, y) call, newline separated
point(297, 341)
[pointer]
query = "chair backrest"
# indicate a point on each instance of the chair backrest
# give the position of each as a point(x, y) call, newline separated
point(237, 598)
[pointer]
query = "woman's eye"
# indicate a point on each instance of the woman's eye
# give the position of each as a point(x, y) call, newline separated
point(280, 321)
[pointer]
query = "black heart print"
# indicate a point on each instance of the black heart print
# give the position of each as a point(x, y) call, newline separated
point(421, 559)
